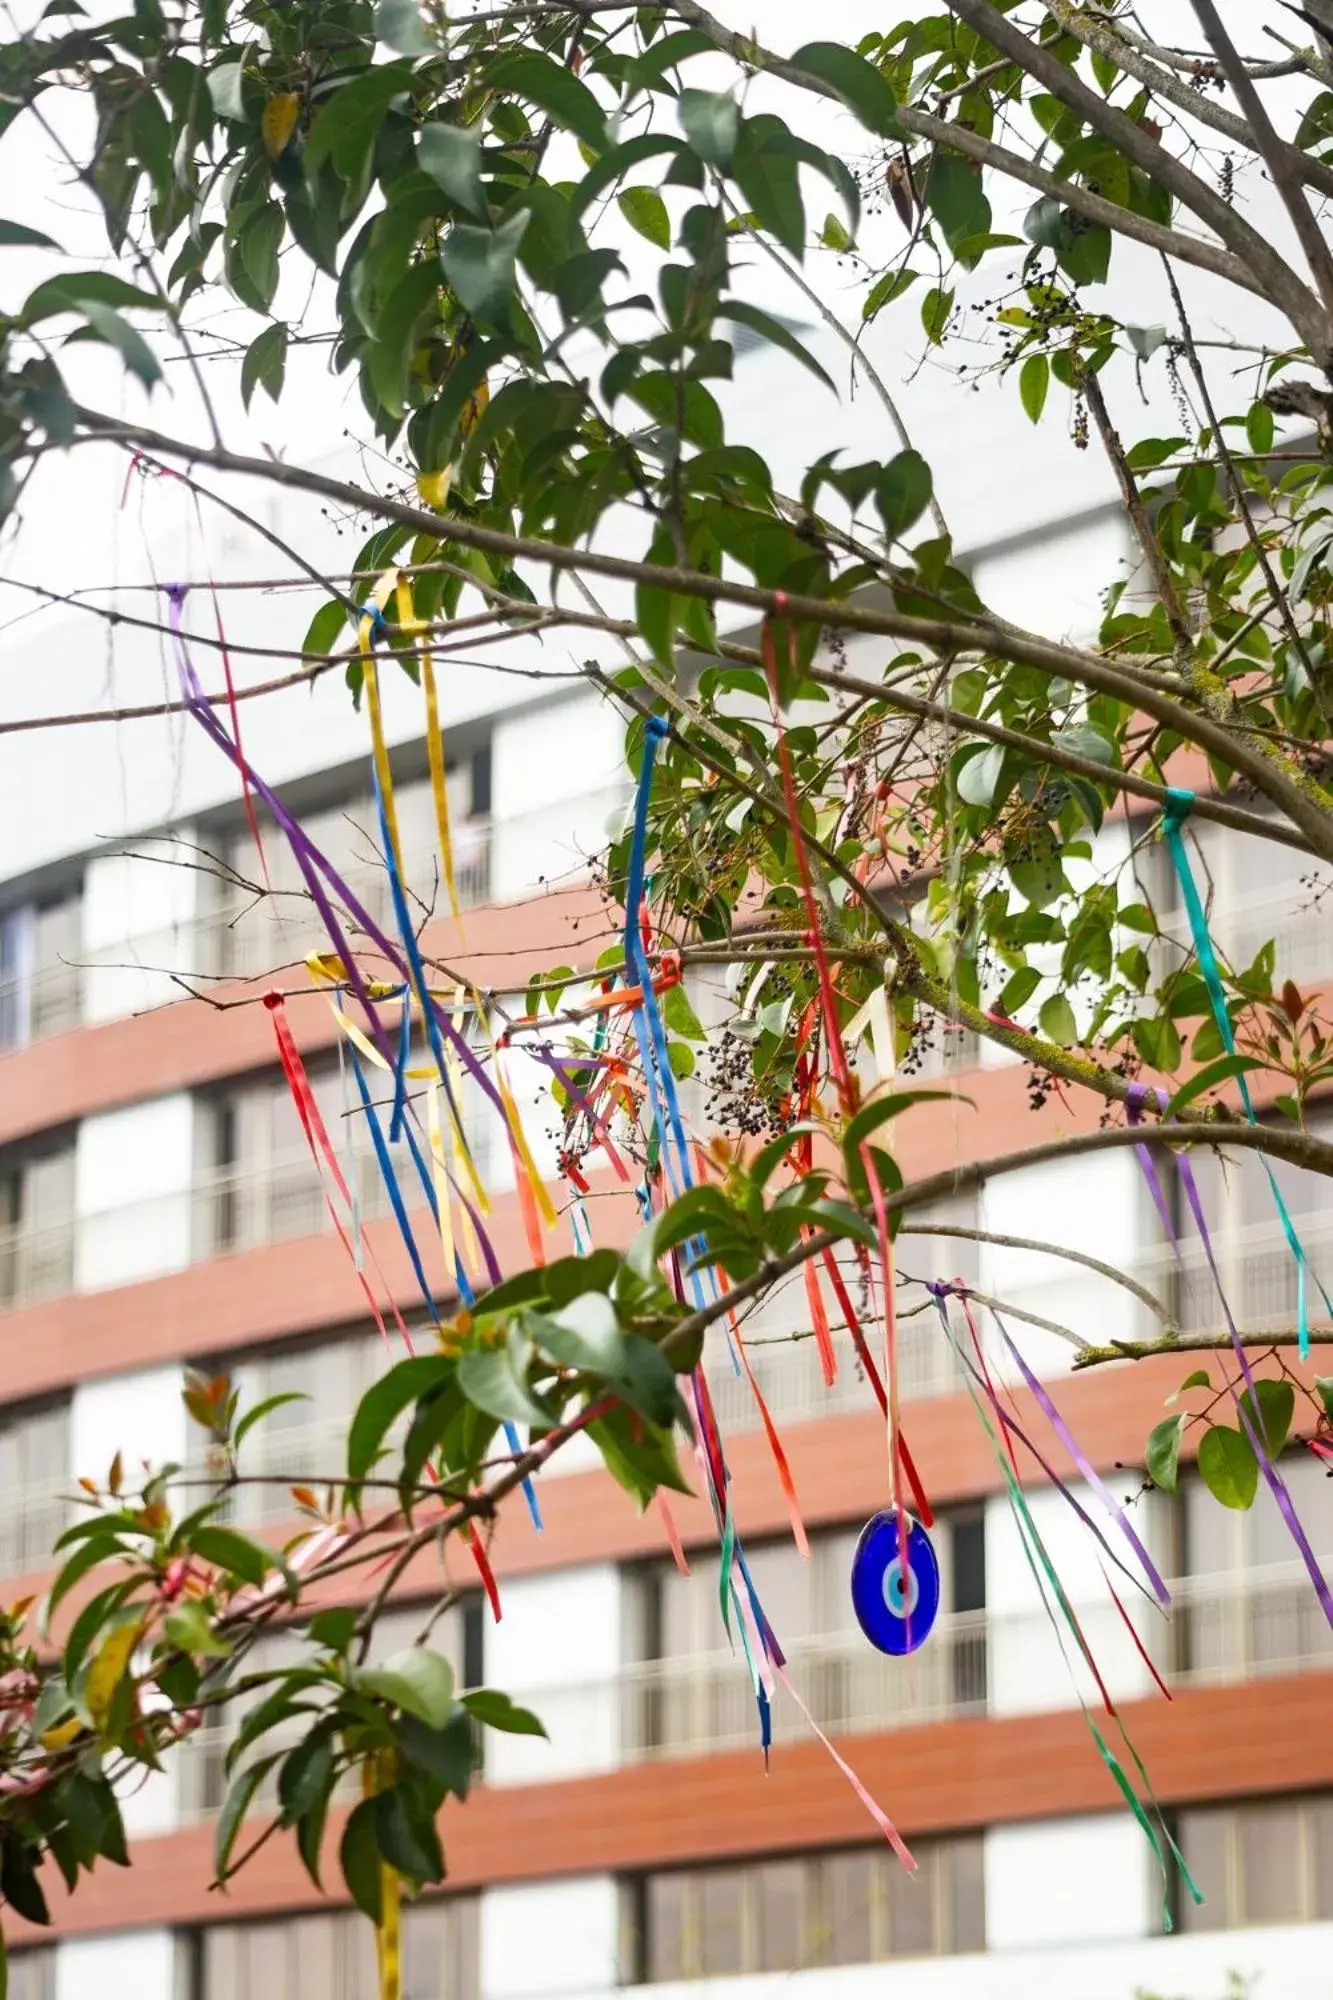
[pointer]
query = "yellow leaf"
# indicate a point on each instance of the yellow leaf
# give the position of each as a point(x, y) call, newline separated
point(474, 407)
point(434, 486)
point(63, 1733)
point(116, 1474)
point(108, 1669)
point(279, 122)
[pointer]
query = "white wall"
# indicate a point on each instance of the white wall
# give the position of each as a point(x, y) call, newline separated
point(1071, 1881)
point(556, 775)
point(135, 1965)
point(132, 1199)
point(551, 1938)
point(1093, 1204)
point(1029, 1671)
point(559, 1644)
point(1295, 1963)
point(137, 912)
point(141, 1416)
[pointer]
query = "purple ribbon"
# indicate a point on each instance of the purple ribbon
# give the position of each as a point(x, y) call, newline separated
point(1277, 1486)
point(1085, 1466)
point(940, 1292)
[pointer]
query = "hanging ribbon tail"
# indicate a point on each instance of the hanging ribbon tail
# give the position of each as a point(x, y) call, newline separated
point(1085, 1466)
point(814, 1298)
point(484, 1570)
point(515, 1444)
point(1179, 802)
point(671, 1532)
point(877, 1813)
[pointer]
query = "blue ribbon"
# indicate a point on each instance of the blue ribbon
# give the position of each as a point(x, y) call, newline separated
point(391, 1183)
point(1179, 803)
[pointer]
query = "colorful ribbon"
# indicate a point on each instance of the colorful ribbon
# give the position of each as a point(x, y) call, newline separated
point(1179, 802)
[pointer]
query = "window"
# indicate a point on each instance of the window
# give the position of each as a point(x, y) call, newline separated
point(1267, 1861)
point(330, 1955)
point(32, 1974)
point(34, 1475)
point(300, 1440)
point(258, 1180)
point(36, 1225)
point(256, 933)
point(1245, 1612)
point(801, 1912)
point(697, 1698)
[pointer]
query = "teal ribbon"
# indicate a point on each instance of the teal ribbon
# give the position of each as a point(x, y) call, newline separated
point(1178, 805)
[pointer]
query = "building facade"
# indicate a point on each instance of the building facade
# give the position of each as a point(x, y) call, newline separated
point(159, 1209)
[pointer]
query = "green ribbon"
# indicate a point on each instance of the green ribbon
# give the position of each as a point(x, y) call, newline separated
point(1032, 1542)
point(1177, 810)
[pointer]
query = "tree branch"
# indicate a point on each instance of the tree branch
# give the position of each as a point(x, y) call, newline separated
point(1276, 155)
point(1210, 731)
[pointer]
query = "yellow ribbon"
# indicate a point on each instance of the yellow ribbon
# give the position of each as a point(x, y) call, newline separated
point(409, 622)
point(379, 597)
point(517, 1137)
point(377, 1775)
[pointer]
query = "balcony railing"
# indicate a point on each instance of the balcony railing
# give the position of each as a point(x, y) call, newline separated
point(32, 1518)
point(1225, 1630)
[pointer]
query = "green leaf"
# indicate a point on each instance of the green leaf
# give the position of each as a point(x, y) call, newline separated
point(72, 290)
point(1323, 1385)
point(265, 364)
point(979, 776)
point(15, 235)
point(1163, 1455)
point(644, 210)
point(487, 1378)
point(774, 331)
point(1270, 1410)
point(555, 90)
point(711, 121)
point(1034, 379)
point(638, 1456)
point(1259, 428)
point(270, 1403)
point(451, 155)
point(326, 628)
point(494, 1708)
point(1019, 989)
point(765, 170)
point(384, 1401)
point(406, 1835)
point(224, 87)
point(449, 1755)
point(307, 1775)
point(1228, 1466)
point(399, 25)
point(857, 82)
point(190, 1628)
point(236, 1553)
point(903, 494)
point(110, 326)
point(585, 1335)
point(350, 120)
point(479, 264)
point(955, 197)
point(1207, 1078)
point(359, 1857)
point(834, 234)
point(1198, 1378)
point(94, 1550)
point(18, 1878)
point(417, 1680)
point(936, 307)
point(234, 1808)
point(1057, 1021)
point(334, 1628)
